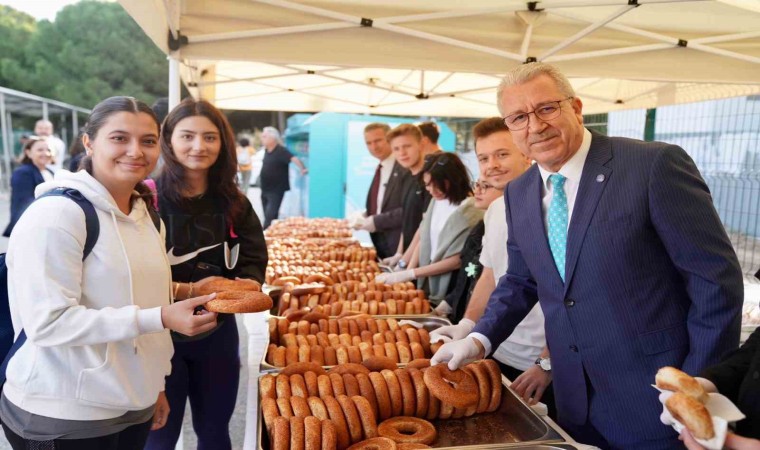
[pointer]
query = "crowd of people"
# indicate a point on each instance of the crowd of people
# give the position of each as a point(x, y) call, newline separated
point(581, 263)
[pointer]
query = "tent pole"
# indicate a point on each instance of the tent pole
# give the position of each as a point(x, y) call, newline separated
point(610, 52)
point(586, 31)
point(174, 82)
point(215, 37)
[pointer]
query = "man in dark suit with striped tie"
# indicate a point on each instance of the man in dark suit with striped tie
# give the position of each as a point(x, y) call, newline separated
point(384, 202)
point(620, 243)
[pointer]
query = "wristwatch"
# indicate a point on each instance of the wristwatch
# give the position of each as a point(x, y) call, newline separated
point(545, 364)
point(402, 264)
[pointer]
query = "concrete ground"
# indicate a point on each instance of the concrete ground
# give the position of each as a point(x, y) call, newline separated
point(189, 439)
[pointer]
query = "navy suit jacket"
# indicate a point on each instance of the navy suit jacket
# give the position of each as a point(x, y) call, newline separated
point(23, 182)
point(651, 280)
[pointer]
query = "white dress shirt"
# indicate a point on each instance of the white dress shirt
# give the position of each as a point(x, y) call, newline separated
point(385, 175)
point(572, 170)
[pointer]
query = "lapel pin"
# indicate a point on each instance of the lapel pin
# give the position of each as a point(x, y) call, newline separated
point(599, 178)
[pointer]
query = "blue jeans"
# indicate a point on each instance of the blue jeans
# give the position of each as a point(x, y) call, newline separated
point(271, 201)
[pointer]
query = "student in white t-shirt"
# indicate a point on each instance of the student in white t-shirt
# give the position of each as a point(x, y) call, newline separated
point(523, 357)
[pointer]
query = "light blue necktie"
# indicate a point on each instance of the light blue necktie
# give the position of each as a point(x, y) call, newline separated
point(557, 220)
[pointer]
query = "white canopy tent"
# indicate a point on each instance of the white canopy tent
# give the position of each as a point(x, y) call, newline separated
point(445, 57)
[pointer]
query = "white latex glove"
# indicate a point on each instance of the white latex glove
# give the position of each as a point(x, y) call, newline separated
point(457, 353)
point(358, 222)
point(443, 309)
point(391, 261)
point(452, 332)
point(368, 224)
point(396, 277)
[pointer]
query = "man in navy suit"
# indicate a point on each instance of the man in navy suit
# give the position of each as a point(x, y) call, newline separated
point(619, 241)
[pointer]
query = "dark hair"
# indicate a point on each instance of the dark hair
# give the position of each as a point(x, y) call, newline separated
point(161, 108)
point(222, 174)
point(30, 140)
point(449, 175)
point(487, 127)
point(98, 117)
point(430, 130)
point(244, 142)
point(76, 146)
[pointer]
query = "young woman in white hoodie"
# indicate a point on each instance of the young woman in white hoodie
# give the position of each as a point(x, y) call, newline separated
point(91, 372)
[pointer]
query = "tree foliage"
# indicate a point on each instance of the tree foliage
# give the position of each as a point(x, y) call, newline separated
point(91, 51)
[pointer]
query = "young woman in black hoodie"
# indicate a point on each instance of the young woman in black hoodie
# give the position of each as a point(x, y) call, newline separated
point(212, 230)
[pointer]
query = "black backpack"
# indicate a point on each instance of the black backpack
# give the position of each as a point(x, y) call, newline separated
point(9, 347)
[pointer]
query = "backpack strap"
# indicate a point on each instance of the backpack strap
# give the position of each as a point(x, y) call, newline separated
point(92, 226)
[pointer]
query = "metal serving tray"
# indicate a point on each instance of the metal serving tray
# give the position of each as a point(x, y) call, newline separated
point(430, 323)
point(514, 425)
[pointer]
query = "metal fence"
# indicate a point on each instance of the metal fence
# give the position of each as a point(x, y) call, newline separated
point(723, 138)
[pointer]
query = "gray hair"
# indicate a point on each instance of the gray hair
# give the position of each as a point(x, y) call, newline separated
point(526, 72)
point(273, 132)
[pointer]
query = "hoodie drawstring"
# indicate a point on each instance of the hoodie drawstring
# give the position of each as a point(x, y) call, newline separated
point(129, 269)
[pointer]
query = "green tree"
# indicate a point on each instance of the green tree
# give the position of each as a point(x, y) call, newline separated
point(91, 51)
point(16, 28)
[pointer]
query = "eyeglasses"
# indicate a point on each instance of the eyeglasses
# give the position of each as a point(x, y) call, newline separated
point(544, 112)
point(481, 186)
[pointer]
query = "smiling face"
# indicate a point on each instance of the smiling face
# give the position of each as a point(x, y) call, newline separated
point(499, 159)
point(550, 143)
point(377, 144)
point(196, 143)
point(124, 150)
point(406, 150)
point(39, 154)
point(485, 194)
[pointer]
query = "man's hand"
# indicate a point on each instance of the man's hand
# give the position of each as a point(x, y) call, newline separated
point(304, 171)
point(396, 277)
point(532, 384)
point(452, 332)
point(459, 353)
point(181, 316)
point(358, 222)
point(161, 414)
point(368, 224)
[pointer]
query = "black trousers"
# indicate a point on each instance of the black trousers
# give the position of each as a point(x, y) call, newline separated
point(271, 201)
point(548, 397)
point(131, 438)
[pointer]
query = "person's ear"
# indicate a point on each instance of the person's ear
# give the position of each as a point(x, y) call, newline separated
point(86, 143)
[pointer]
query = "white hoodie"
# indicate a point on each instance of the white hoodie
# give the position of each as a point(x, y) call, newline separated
point(96, 347)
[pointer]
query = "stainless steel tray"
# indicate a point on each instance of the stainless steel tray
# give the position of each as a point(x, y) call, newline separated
point(514, 425)
point(430, 323)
